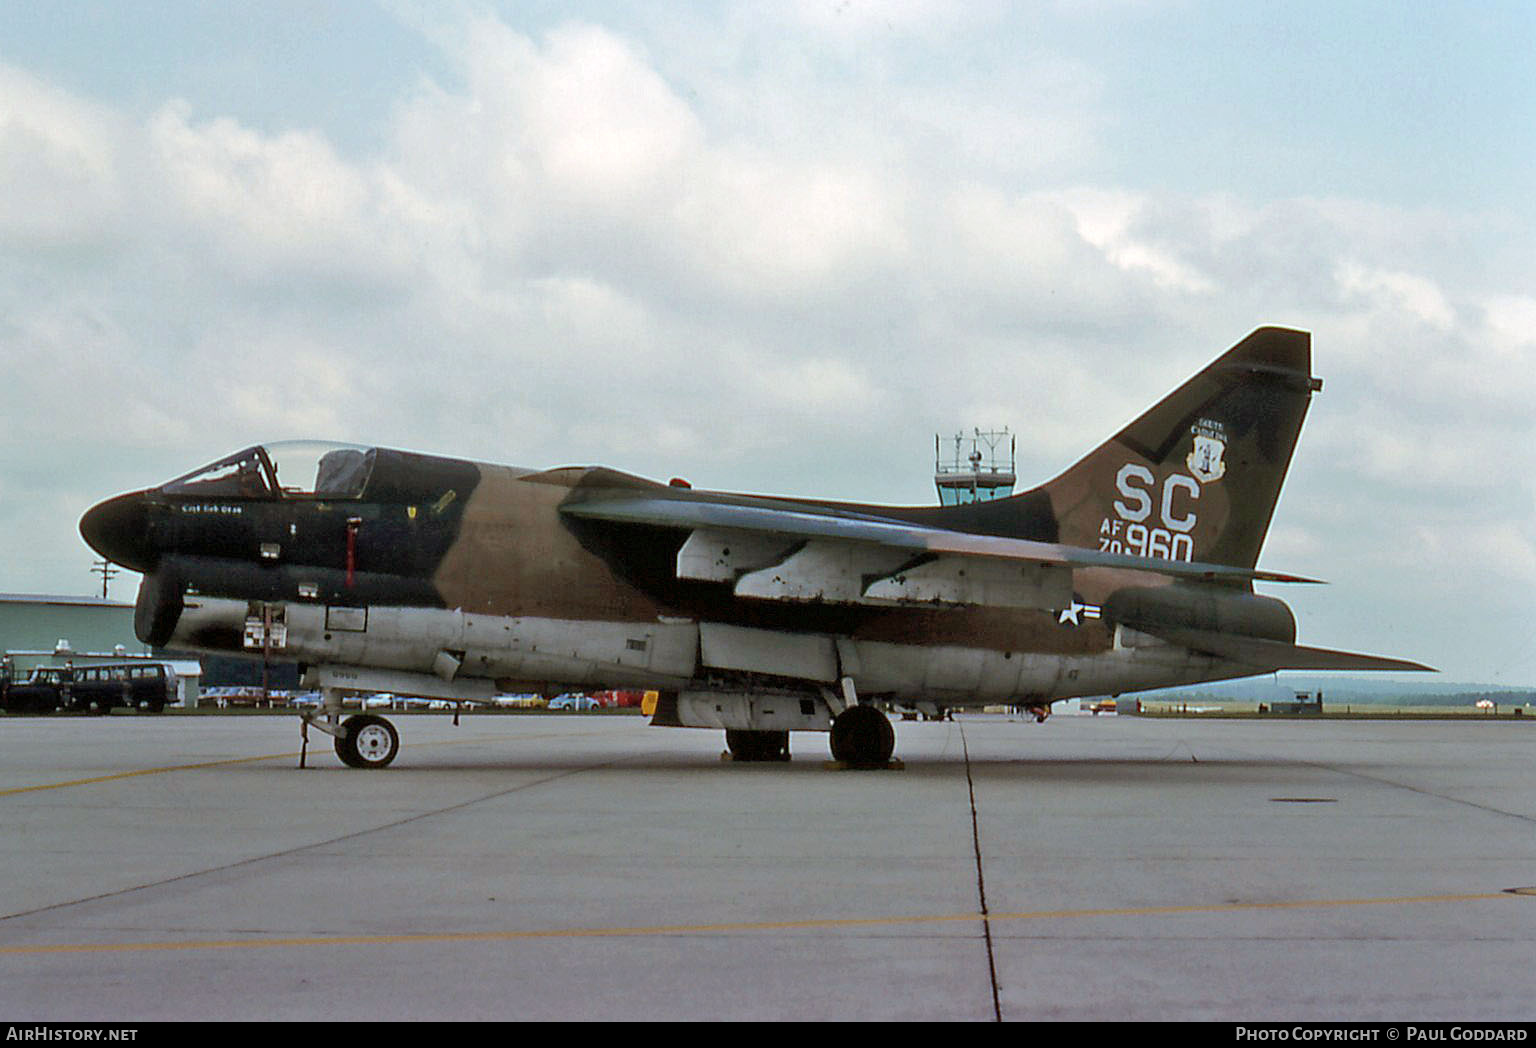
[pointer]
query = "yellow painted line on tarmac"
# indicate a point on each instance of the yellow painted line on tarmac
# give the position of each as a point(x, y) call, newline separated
point(294, 755)
point(1229, 907)
point(726, 928)
point(145, 771)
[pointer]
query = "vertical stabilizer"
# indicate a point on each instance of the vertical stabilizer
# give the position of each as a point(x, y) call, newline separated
point(1198, 475)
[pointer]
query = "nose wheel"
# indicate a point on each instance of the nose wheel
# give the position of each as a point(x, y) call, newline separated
point(367, 741)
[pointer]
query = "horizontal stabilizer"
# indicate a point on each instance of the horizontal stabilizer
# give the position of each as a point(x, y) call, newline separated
point(1278, 655)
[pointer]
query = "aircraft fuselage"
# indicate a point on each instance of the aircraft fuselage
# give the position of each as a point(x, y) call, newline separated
point(395, 571)
point(466, 571)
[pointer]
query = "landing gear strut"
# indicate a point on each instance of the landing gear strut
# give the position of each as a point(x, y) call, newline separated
point(863, 738)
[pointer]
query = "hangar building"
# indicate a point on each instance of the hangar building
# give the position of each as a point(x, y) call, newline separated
point(46, 630)
point(31, 622)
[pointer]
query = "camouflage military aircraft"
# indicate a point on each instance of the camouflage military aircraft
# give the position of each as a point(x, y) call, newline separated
point(393, 571)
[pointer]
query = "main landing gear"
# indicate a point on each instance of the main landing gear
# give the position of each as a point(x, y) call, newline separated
point(862, 737)
point(757, 745)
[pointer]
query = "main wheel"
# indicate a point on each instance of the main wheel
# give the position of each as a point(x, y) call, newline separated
point(757, 745)
point(863, 738)
point(367, 742)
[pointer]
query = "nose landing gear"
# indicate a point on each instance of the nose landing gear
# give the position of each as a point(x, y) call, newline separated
point(367, 741)
point(362, 741)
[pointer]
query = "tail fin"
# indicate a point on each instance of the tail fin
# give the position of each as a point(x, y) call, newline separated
point(1197, 476)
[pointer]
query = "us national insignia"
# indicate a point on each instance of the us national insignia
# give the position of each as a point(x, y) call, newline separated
point(1204, 459)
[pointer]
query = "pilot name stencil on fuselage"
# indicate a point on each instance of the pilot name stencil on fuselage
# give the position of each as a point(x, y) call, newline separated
point(216, 508)
point(1129, 532)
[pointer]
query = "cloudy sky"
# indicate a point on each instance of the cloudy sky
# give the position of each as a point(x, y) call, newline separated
point(778, 246)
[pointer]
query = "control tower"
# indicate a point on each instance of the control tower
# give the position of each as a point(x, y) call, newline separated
point(975, 470)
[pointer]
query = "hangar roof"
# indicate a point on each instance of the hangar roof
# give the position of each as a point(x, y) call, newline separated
point(48, 598)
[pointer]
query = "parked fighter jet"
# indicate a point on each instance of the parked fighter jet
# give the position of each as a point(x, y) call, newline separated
point(389, 570)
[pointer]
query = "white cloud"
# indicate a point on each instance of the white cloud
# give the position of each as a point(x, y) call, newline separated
point(1106, 219)
point(1396, 292)
point(1510, 325)
point(280, 204)
point(855, 20)
point(58, 164)
point(759, 229)
point(580, 246)
point(601, 125)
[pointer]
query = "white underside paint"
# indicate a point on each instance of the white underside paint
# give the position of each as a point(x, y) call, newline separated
point(458, 647)
point(753, 712)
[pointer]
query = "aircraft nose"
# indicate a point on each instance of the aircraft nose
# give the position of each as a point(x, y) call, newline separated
point(118, 529)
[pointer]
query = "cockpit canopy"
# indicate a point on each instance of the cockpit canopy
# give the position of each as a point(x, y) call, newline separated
point(288, 469)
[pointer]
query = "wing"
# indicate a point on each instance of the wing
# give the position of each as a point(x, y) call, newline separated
point(776, 550)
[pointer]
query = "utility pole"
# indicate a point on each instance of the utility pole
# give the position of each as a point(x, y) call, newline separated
point(107, 572)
